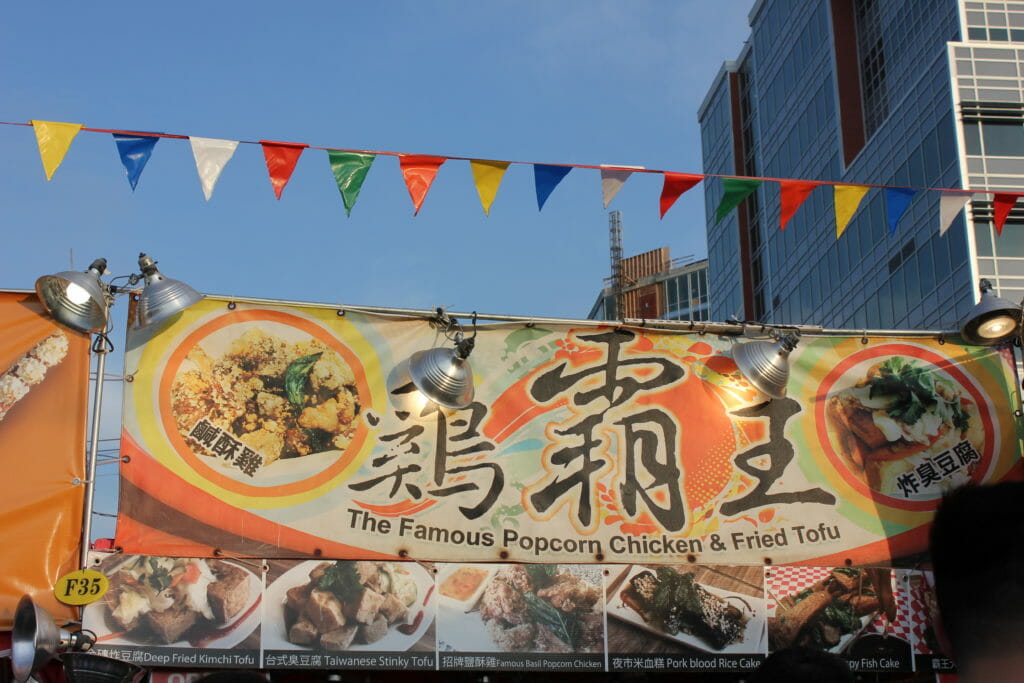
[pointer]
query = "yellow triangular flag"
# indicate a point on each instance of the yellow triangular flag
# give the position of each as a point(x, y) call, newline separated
point(54, 139)
point(847, 199)
point(487, 176)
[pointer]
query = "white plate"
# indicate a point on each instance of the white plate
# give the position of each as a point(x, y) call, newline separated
point(283, 470)
point(753, 633)
point(275, 634)
point(237, 628)
point(888, 487)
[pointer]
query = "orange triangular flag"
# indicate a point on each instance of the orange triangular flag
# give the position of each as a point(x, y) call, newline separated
point(792, 193)
point(675, 185)
point(419, 171)
point(281, 159)
point(54, 140)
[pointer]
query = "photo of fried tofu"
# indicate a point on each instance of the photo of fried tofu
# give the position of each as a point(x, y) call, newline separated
point(164, 600)
point(341, 605)
point(898, 413)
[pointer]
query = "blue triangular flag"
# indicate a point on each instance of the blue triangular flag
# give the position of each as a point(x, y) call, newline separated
point(547, 178)
point(897, 199)
point(135, 151)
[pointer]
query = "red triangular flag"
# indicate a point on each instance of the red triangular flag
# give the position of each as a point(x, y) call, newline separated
point(792, 193)
point(1002, 203)
point(675, 185)
point(281, 159)
point(419, 172)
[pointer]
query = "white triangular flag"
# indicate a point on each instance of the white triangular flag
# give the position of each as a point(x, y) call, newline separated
point(950, 206)
point(612, 180)
point(212, 156)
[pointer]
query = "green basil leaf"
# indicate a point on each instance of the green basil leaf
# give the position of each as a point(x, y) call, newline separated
point(296, 377)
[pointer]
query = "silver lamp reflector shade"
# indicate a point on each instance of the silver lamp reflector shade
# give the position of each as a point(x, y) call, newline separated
point(765, 364)
point(443, 377)
point(993, 320)
point(76, 299)
point(82, 667)
point(35, 639)
point(161, 296)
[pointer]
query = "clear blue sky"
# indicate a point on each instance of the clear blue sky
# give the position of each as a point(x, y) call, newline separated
point(573, 81)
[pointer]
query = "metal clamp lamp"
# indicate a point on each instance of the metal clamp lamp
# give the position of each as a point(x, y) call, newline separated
point(35, 639)
point(993, 320)
point(443, 374)
point(765, 364)
point(82, 301)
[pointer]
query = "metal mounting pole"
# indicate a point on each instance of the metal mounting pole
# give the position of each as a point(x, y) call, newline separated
point(101, 350)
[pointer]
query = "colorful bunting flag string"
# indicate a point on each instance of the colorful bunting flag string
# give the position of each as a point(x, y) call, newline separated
point(793, 193)
point(419, 171)
point(211, 157)
point(54, 140)
point(281, 158)
point(350, 167)
point(134, 151)
point(846, 199)
point(487, 176)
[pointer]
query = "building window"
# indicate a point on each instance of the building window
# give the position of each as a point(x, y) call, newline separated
point(1007, 248)
point(993, 129)
point(871, 58)
point(1002, 22)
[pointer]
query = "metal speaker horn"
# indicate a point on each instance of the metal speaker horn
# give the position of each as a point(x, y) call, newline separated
point(78, 300)
point(993, 320)
point(82, 667)
point(35, 639)
point(444, 376)
point(765, 364)
point(161, 296)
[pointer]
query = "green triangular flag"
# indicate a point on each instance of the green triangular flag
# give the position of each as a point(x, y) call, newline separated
point(734, 191)
point(349, 169)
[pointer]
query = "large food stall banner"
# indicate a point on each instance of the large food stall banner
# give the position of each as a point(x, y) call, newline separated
point(282, 431)
point(44, 381)
point(344, 614)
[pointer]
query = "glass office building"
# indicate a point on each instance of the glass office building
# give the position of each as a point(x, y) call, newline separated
point(918, 93)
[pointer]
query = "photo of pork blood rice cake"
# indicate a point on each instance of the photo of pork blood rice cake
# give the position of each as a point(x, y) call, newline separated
point(283, 399)
point(686, 607)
